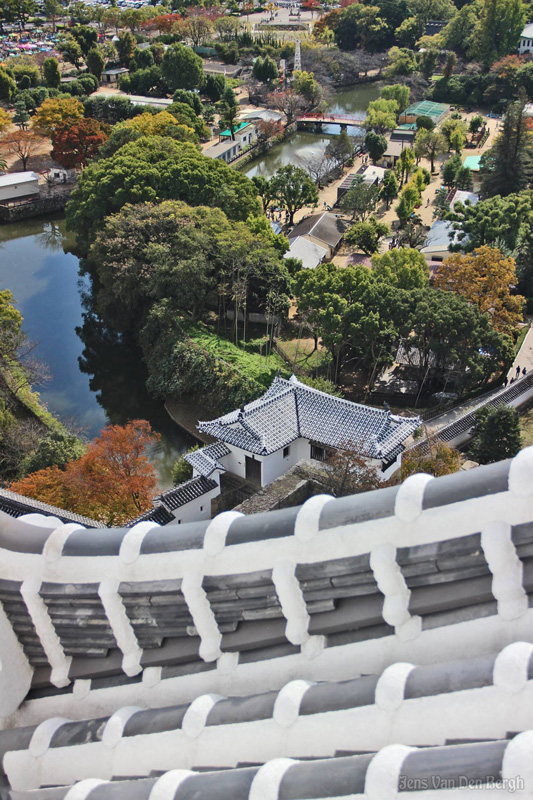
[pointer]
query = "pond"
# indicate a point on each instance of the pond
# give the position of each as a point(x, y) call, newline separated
point(96, 377)
point(305, 145)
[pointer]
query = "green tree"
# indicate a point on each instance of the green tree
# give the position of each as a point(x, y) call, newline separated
point(307, 87)
point(402, 61)
point(265, 69)
point(360, 26)
point(498, 29)
point(450, 169)
point(52, 75)
point(86, 37)
point(71, 51)
point(424, 123)
point(408, 32)
point(454, 131)
point(53, 10)
point(494, 221)
point(294, 189)
point(360, 199)
point(229, 110)
point(496, 434)
point(213, 87)
point(376, 145)
point(405, 164)
point(57, 448)
point(151, 169)
point(95, 62)
point(508, 165)
point(182, 68)
point(441, 204)
point(389, 187)
point(427, 61)
point(8, 87)
point(429, 144)
point(381, 114)
point(464, 179)
point(366, 236)
point(449, 65)
point(425, 10)
point(126, 44)
point(409, 200)
point(21, 116)
point(475, 123)
point(398, 92)
point(404, 268)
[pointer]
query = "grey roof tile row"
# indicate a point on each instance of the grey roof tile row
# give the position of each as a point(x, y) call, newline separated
point(478, 763)
point(378, 504)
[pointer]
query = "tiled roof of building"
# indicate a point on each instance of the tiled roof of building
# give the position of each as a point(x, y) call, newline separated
point(185, 492)
point(325, 227)
point(362, 647)
point(206, 460)
point(289, 410)
point(16, 505)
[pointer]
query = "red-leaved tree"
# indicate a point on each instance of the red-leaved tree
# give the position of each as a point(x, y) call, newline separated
point(113, 482)
point(76, 142)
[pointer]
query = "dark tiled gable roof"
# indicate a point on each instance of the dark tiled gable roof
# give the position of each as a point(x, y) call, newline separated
point(206, 460)
point(325, 227)
point(16, 505)
point(185, 492)
point(290, 410)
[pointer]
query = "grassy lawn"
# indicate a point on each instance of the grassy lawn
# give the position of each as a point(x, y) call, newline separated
point(300, 352)
point(521, 336)
point(251, 357)
point(526, 425)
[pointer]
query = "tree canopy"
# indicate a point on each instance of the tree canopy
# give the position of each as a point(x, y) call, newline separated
point(293, 189)
point(496, 434)
point(182, 68)
point(485, 277)
point(113, 481)
point(153, 169)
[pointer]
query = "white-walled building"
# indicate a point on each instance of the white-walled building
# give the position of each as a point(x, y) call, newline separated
point(293, 421)
point(525, 45)
point(16, 185)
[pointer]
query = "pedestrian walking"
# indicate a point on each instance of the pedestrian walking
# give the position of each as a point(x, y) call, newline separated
point(511, 381)
point(506, 381)
point(524, 371)
point(517, 371)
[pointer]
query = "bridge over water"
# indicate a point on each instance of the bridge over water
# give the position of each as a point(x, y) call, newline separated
point(344, 120)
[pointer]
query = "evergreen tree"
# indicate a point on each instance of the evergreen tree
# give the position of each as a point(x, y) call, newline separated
point(496, 434)
point(21, 116)
point(508, 165)
point(389, 187)
point(51, 71)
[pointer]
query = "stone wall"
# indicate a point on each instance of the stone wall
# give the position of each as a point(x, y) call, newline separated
point(34, 208)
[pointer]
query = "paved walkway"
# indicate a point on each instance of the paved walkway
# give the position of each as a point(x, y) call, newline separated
point(524, 357)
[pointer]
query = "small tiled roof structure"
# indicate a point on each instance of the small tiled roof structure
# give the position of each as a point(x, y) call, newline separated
point(185, 492)
point(206, 460)
point(290, 410)
point(16, 505)
point(325, 227)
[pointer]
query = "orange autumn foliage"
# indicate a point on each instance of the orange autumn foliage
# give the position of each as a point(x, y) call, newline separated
point(485, 277)
point(113, 482)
